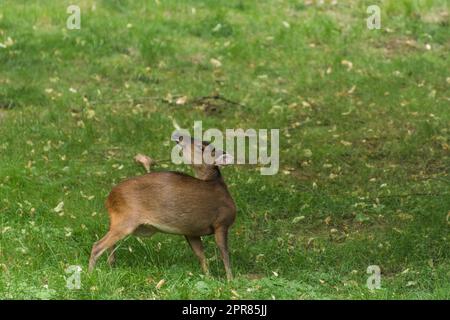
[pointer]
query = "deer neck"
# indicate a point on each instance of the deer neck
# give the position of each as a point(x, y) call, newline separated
point(207, 173)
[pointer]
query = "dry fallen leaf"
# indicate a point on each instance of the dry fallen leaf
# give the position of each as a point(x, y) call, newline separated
point(146, 161)
point(160, 283)
point(297, 219)
point(348, 64)
point(181, 100)
point(307, 153)
point(333, 176)
point(234, 293)
point(405, 216)
point(59, 207)
point(9, 42)
point(90, 114)
point(216, 63)
point(352, 89)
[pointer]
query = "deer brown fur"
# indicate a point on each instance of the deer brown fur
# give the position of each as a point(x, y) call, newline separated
point(173, 202)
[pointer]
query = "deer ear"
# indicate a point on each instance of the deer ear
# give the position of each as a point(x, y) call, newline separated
point(224, 159)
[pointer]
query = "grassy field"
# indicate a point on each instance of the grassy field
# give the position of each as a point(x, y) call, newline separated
point(364, 136)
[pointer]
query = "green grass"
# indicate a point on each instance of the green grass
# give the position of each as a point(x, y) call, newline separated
point(364, 149)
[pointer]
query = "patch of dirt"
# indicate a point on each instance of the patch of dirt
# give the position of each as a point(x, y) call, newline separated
point(396, 46)
point(438, 17)
point(214, 104)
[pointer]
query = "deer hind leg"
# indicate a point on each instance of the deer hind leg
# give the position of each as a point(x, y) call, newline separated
point(107, 243)
point(197, 246)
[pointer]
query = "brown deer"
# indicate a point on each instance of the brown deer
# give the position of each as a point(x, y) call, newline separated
point(173, 202)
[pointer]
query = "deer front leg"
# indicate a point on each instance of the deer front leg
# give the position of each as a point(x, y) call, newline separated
point(221, 235)
point(197, 246)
